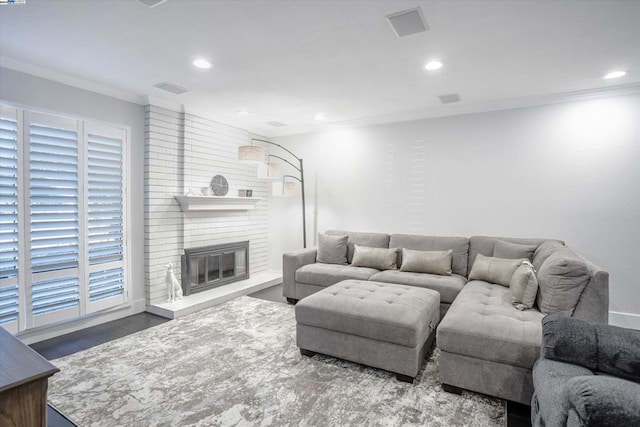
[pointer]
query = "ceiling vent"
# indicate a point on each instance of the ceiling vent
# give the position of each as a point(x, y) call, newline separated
point(276, 124)
point(407, 22)
point(448, 99)
point(152, 3)
point(170, 87)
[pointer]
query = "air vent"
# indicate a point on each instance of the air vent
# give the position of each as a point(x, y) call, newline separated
point(448, 99)
point(276, 124)
point(170, 87)
point(152, 3)
point(407, 22)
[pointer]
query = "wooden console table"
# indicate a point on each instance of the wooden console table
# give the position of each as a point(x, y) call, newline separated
point(24, 376)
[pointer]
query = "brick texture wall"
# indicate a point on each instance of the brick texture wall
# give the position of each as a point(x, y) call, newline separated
point(183, 152)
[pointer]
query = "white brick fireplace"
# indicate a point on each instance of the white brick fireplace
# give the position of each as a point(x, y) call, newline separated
point(183, 152)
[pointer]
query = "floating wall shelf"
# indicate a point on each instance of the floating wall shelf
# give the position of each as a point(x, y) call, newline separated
point(213, 203)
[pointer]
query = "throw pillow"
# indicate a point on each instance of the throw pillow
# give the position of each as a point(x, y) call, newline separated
point(332, 249)
point(378, 258)
point(561, 280)
point(523, 286)
point(434, 262)
point(510, 250)
point(494, 270)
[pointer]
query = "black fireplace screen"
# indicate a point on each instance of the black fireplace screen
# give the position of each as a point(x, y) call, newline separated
point(207, 267)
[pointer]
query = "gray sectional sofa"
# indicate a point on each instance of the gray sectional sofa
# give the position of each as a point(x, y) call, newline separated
point(487, 345)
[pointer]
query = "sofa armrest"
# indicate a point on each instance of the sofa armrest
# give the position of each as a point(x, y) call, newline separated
point(593, 305)
point(291, 262)
point(605, 348)
point(597, 400)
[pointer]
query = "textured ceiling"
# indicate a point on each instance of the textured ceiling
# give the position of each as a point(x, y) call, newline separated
point(287, 60)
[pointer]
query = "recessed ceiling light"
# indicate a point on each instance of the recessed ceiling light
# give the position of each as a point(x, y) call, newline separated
point(614, 74)
point(433, 65)
point(243, 112)
point(320, 116)
point(202, 63)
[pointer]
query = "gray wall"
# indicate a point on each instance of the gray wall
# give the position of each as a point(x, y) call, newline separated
point(46, 95)
point(568, 171)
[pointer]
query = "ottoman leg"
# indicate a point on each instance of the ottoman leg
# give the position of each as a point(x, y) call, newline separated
point(305, 352)
point(404, 378)
point(292, 301)
point(452, 389)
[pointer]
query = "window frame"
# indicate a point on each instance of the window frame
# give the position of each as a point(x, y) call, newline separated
point(25, 278)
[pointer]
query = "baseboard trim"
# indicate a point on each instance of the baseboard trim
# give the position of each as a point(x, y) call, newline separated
point(625, 320)
point(30, 337)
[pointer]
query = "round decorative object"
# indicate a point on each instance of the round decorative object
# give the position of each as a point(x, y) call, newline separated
point(219, 185)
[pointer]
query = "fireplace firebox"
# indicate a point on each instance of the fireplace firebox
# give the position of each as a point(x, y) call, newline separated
point(208, 267)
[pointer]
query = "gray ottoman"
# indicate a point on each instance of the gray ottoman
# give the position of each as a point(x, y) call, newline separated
point(383, 325)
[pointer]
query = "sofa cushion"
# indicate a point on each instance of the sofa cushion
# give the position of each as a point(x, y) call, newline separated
point(459, 245)
point(494, 270)
point(378, 258)
point(332, 249)
point(510, 250)
point(432, 262)
point(561, 280)
point(482, 324)
point(372, 240)
point(448, 286)
point(329, 274)
point(523, 286)
point(397, 314)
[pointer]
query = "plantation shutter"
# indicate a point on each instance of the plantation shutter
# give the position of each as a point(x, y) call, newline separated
point(105, 214)
point(9, 298)
point(54, 219)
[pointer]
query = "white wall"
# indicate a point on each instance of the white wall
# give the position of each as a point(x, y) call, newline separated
point(45, 95)
point(568, 171)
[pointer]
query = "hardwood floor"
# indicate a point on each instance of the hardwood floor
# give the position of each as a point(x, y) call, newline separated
point(86, 338)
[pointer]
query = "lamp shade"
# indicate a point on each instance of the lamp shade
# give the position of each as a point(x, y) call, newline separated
point(289, 189)
point(251, 154)
point(269, 171)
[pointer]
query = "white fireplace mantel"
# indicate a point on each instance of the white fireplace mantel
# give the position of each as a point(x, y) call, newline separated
point(214, 203)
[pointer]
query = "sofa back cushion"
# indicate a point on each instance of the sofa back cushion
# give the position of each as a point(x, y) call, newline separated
point(372, 240)
point(544, 251)
point(561, 279)
point(459, 245)
point(485, 245)
point(510, 250)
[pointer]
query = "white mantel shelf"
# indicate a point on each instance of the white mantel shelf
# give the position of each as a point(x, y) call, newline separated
point(214, 203)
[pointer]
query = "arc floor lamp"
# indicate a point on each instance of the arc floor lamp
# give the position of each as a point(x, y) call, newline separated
point(257, 154)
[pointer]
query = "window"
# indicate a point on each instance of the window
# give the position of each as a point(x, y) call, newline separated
point(9, 303)
point(62, 218)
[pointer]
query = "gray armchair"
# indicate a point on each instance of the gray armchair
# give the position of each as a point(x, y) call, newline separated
point(587, 375)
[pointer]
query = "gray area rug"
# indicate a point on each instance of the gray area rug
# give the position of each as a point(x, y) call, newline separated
point(238, 365)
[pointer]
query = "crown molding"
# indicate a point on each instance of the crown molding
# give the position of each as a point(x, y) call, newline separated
point(46, 73)
point(450, 110)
